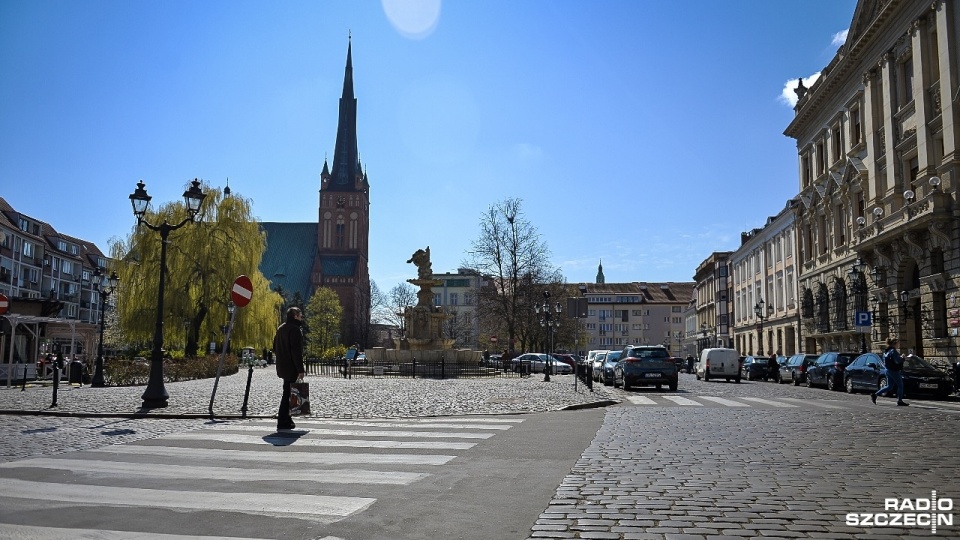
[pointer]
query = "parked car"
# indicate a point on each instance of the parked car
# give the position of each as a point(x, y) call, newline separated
point(719, 363)
point(867, 373)
point(644, 365)
point(492, 361)
point(569, 359)
point(754, 368)
point(795, 369)
point(606, 373)
point(537, 362)
point(597, 366)
point(827, 371)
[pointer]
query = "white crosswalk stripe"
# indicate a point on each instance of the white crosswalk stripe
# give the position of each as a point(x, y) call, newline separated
point(230, 467)
point(768, 402)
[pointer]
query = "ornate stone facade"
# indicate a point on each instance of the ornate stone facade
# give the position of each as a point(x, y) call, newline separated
point(878, 137)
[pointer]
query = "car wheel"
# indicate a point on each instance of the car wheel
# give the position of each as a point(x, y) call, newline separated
point(832, 383)
point(626, 386)
point(659, 386)
point(673, 387)
point(706, 375)
point(698, 376)
point(615, 385)
point(882, 383)
point(809, 381)
point(737, 379)
point(796, 380)
point(849, 386)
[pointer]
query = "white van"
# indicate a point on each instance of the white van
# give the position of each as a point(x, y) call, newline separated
point(719, 363)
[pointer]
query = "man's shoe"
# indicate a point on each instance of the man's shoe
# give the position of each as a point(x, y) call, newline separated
point(903, 404)
point(287, 425)
point(873, 398)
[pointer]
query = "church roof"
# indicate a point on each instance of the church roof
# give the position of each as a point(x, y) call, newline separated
point(288, 260)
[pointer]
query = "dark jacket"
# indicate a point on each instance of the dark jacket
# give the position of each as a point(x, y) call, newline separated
point(892, 360)
point(288, 349)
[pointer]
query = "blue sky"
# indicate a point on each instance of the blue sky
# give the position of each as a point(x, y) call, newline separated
point(630, 129)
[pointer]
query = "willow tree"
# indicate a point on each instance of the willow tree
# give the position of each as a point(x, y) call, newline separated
point(322, 316)
point(203, 260)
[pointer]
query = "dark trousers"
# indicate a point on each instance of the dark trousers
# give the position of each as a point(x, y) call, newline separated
point(283, 415)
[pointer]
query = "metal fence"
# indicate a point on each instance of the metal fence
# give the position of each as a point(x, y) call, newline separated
point(425, 369)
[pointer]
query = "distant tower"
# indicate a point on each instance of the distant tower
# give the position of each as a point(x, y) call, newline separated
point(343, 229)
point(600, 279)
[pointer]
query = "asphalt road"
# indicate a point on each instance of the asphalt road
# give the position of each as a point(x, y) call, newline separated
point(714, 460)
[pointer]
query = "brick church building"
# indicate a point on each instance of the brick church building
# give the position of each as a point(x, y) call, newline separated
point(333, 252)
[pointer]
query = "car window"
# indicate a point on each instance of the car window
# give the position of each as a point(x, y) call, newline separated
point(915, 362)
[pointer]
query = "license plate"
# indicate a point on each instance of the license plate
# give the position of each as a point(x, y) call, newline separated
point(653, 375)
point(928, 385)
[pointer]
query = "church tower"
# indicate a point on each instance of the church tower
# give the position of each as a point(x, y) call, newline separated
point(343, 228)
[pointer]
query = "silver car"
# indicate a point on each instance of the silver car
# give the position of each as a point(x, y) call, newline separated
point(598, 365)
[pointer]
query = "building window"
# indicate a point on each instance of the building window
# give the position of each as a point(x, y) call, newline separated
point(61, 245)
point(837, 143)
point(454, 299)
point(24, 225)
point(906, 75)
point(805, 168)
point(856, 127)
point(437, 299)
point(27, 249)
point(467, 299)
point(67, 267)
point(821, 163)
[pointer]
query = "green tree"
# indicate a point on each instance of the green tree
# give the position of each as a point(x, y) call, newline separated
point(203, 260)
point(322, 316)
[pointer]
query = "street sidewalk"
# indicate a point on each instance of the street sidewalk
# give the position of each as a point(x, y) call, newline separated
point(363, 397)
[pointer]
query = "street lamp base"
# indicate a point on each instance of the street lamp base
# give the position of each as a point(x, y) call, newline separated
point(154, 403)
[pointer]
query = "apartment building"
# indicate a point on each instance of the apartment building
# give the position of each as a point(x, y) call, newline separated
point(636, 313)
point(46, 275)
point(878, 141)
point(765, 306)
point(714, 302)
point(456, 295)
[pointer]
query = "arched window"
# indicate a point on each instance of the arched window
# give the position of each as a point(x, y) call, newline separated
point(839, 305)
point(823, 309)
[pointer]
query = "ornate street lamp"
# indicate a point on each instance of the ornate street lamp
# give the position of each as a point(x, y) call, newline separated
point(547, 321)
point(105, 290)
point(155, 396)
point(762, 314)
point(859, 289)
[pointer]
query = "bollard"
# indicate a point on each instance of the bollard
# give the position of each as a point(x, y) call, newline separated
point(56, 377)
point(443, 368)
point(246, 394)
point(23, 386)
point(414, 374)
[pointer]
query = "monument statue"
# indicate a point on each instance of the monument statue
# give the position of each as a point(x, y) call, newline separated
point(421, 259)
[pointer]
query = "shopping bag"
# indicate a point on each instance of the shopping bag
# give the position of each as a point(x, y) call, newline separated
point(299, 398)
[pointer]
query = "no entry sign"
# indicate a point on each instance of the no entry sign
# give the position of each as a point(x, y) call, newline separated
point(4, 304)
point(241, 291)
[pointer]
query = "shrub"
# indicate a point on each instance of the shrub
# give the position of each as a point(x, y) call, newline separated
point(136, 372)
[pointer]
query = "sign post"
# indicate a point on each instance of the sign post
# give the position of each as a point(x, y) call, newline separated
point(240, 294)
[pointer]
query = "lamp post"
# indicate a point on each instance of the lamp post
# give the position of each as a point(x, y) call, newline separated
point(547, 321)
point(762, 314)
point(155, 395)
point(105, 289)
point(859, 289)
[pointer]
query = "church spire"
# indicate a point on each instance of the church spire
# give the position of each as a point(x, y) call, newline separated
point(345, 155)
point(600, 279)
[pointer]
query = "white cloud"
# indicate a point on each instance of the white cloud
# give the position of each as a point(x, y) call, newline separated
point(839, 38)
point(789, 95)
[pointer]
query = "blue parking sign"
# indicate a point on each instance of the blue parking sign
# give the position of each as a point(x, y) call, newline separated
point(863, 318)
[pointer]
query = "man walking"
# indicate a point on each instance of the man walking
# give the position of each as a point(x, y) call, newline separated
point(288, 349)
point(894, 364)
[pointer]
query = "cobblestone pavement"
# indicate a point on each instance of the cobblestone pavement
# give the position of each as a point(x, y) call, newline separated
point(88, 417)
point(714, 473)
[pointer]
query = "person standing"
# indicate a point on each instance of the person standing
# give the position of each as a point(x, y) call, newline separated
point(893, 361)
point(288, 348)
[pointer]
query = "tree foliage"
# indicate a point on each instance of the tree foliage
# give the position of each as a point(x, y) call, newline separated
point(322, 316)
point(203, 260)
point(510, 251)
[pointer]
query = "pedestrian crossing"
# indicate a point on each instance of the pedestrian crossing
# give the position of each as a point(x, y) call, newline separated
point(716, 401)
point(243, 469)
point(672, 400)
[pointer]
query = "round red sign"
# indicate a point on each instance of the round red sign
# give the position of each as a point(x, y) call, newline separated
point(242, 291)
point(4, 304)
